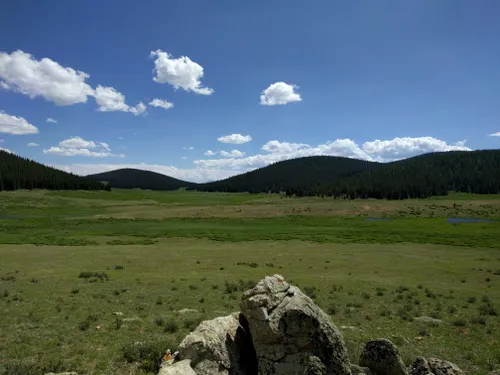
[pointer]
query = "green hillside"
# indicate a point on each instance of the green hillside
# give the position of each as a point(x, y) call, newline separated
point(129, 178)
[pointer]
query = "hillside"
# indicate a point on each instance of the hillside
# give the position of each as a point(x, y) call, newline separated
point(128, 178)
point(419, 177)
point(21, 173)
point(291, 174)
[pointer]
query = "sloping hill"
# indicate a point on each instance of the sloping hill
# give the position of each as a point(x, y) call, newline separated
point(289, 174)
point(128, 178)
point(21, 173)
point(420, 177)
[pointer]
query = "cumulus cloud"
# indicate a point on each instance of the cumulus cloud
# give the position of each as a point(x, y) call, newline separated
point(235, 139)
point(77, 146)
point(15, 125)
point(110, 100)
point(21, 72)
point(51, 120)
point(495, 134)
point(232, 154)
point(280, 93)
point(33, 144)
point(276, 151)
point(400, 148)
point(161, 103)
point(179, 72)
point(210, 153)
point(6, 150)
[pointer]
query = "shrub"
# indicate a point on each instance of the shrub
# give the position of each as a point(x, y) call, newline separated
point(365, 295)
point(332, 310)
point(147, 354)
point(459, 323)
point(94, 276)
point(310, 291)
point(230, 287)
point(118, 267)
point(479, 320)
point(171, 326)
point(191, 323)
point(471, 300)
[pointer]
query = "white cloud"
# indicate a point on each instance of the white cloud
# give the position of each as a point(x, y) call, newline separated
point(21, 72)
point(235, 139)
point(51, 120)
point(78, 146)
point(373, 151)
point(179, 72)
point(400, 148)
point(109, 100)
point(184, 157)
point(6, 150)
point(209, 153)
point(165, 104)
point(189, 148)
point(280, 93)
point(495, 134)
point(15, 125)
point(232, 154)
point(33, 144)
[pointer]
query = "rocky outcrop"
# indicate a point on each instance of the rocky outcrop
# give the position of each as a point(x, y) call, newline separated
point(382, 357)
point(220, 346)
point(291, 335)
point(441, 367)
point(178, 368)
point(280, 331)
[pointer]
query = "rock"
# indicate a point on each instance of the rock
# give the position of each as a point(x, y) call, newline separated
point(382, 357)
point(62, 373)
point(178, 368)
point(496, 372)
point(428, 319)
point(220, 346)
point(186, 311)
point(358, 370)
point(420, 367)
point(441, 367)
point(292, 335)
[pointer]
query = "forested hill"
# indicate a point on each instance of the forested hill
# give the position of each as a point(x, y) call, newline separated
point(128, 178)
point(20, 173)
point(419, 177)
point(295, 174)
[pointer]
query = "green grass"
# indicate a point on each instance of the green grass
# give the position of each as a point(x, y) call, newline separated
point(86, 275)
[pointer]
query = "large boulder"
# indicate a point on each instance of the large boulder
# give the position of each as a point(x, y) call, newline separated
point(383, 358)
point(220, 346)
point(442, 367)
point(420, 367)
point(291, 335)
point(178, 368)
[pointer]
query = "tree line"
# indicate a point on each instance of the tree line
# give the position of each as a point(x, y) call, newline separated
point(22, 173)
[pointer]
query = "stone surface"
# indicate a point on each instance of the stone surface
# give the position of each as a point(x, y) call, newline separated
point(62, 373)
point(220, 346)
point(358, 370)
point(382, 357)
point(291, 335)
point(442, 367)
point(420, 367)
point(178, 368)
point(428, 319)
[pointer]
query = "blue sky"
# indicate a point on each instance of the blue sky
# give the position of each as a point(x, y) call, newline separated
point(251, 82)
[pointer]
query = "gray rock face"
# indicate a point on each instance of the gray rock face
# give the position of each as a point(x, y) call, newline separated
point(382, 357)
point(358, 370)
point(291, 335)
point(178, 368)
point(220, 346)
point(441, 367)
point(420, 367)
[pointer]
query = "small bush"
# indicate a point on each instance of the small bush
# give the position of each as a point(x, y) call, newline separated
point(147, 354)
point(479, 320)
point(230, 287)
point(471, 300)
point(159, 321)
point(75, 291)
point(171, 326)
point(118, 267)
point(459, 323)
point(193, 287)
point(270, 265)
point(365, 295)
point(118, 322)
point(103, 276)
point(487, 309)
point(332, 310)
point(401, 289)
point(192, 323)
point(201, 300)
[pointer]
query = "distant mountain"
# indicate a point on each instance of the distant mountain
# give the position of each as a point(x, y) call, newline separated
point(419, 177)
point(305, 172)
point(21, 173)
point(129, 178)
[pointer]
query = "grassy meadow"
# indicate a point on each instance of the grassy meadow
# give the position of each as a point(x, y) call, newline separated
point(104, 282)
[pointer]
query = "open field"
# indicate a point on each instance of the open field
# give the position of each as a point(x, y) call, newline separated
point(164, 261)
